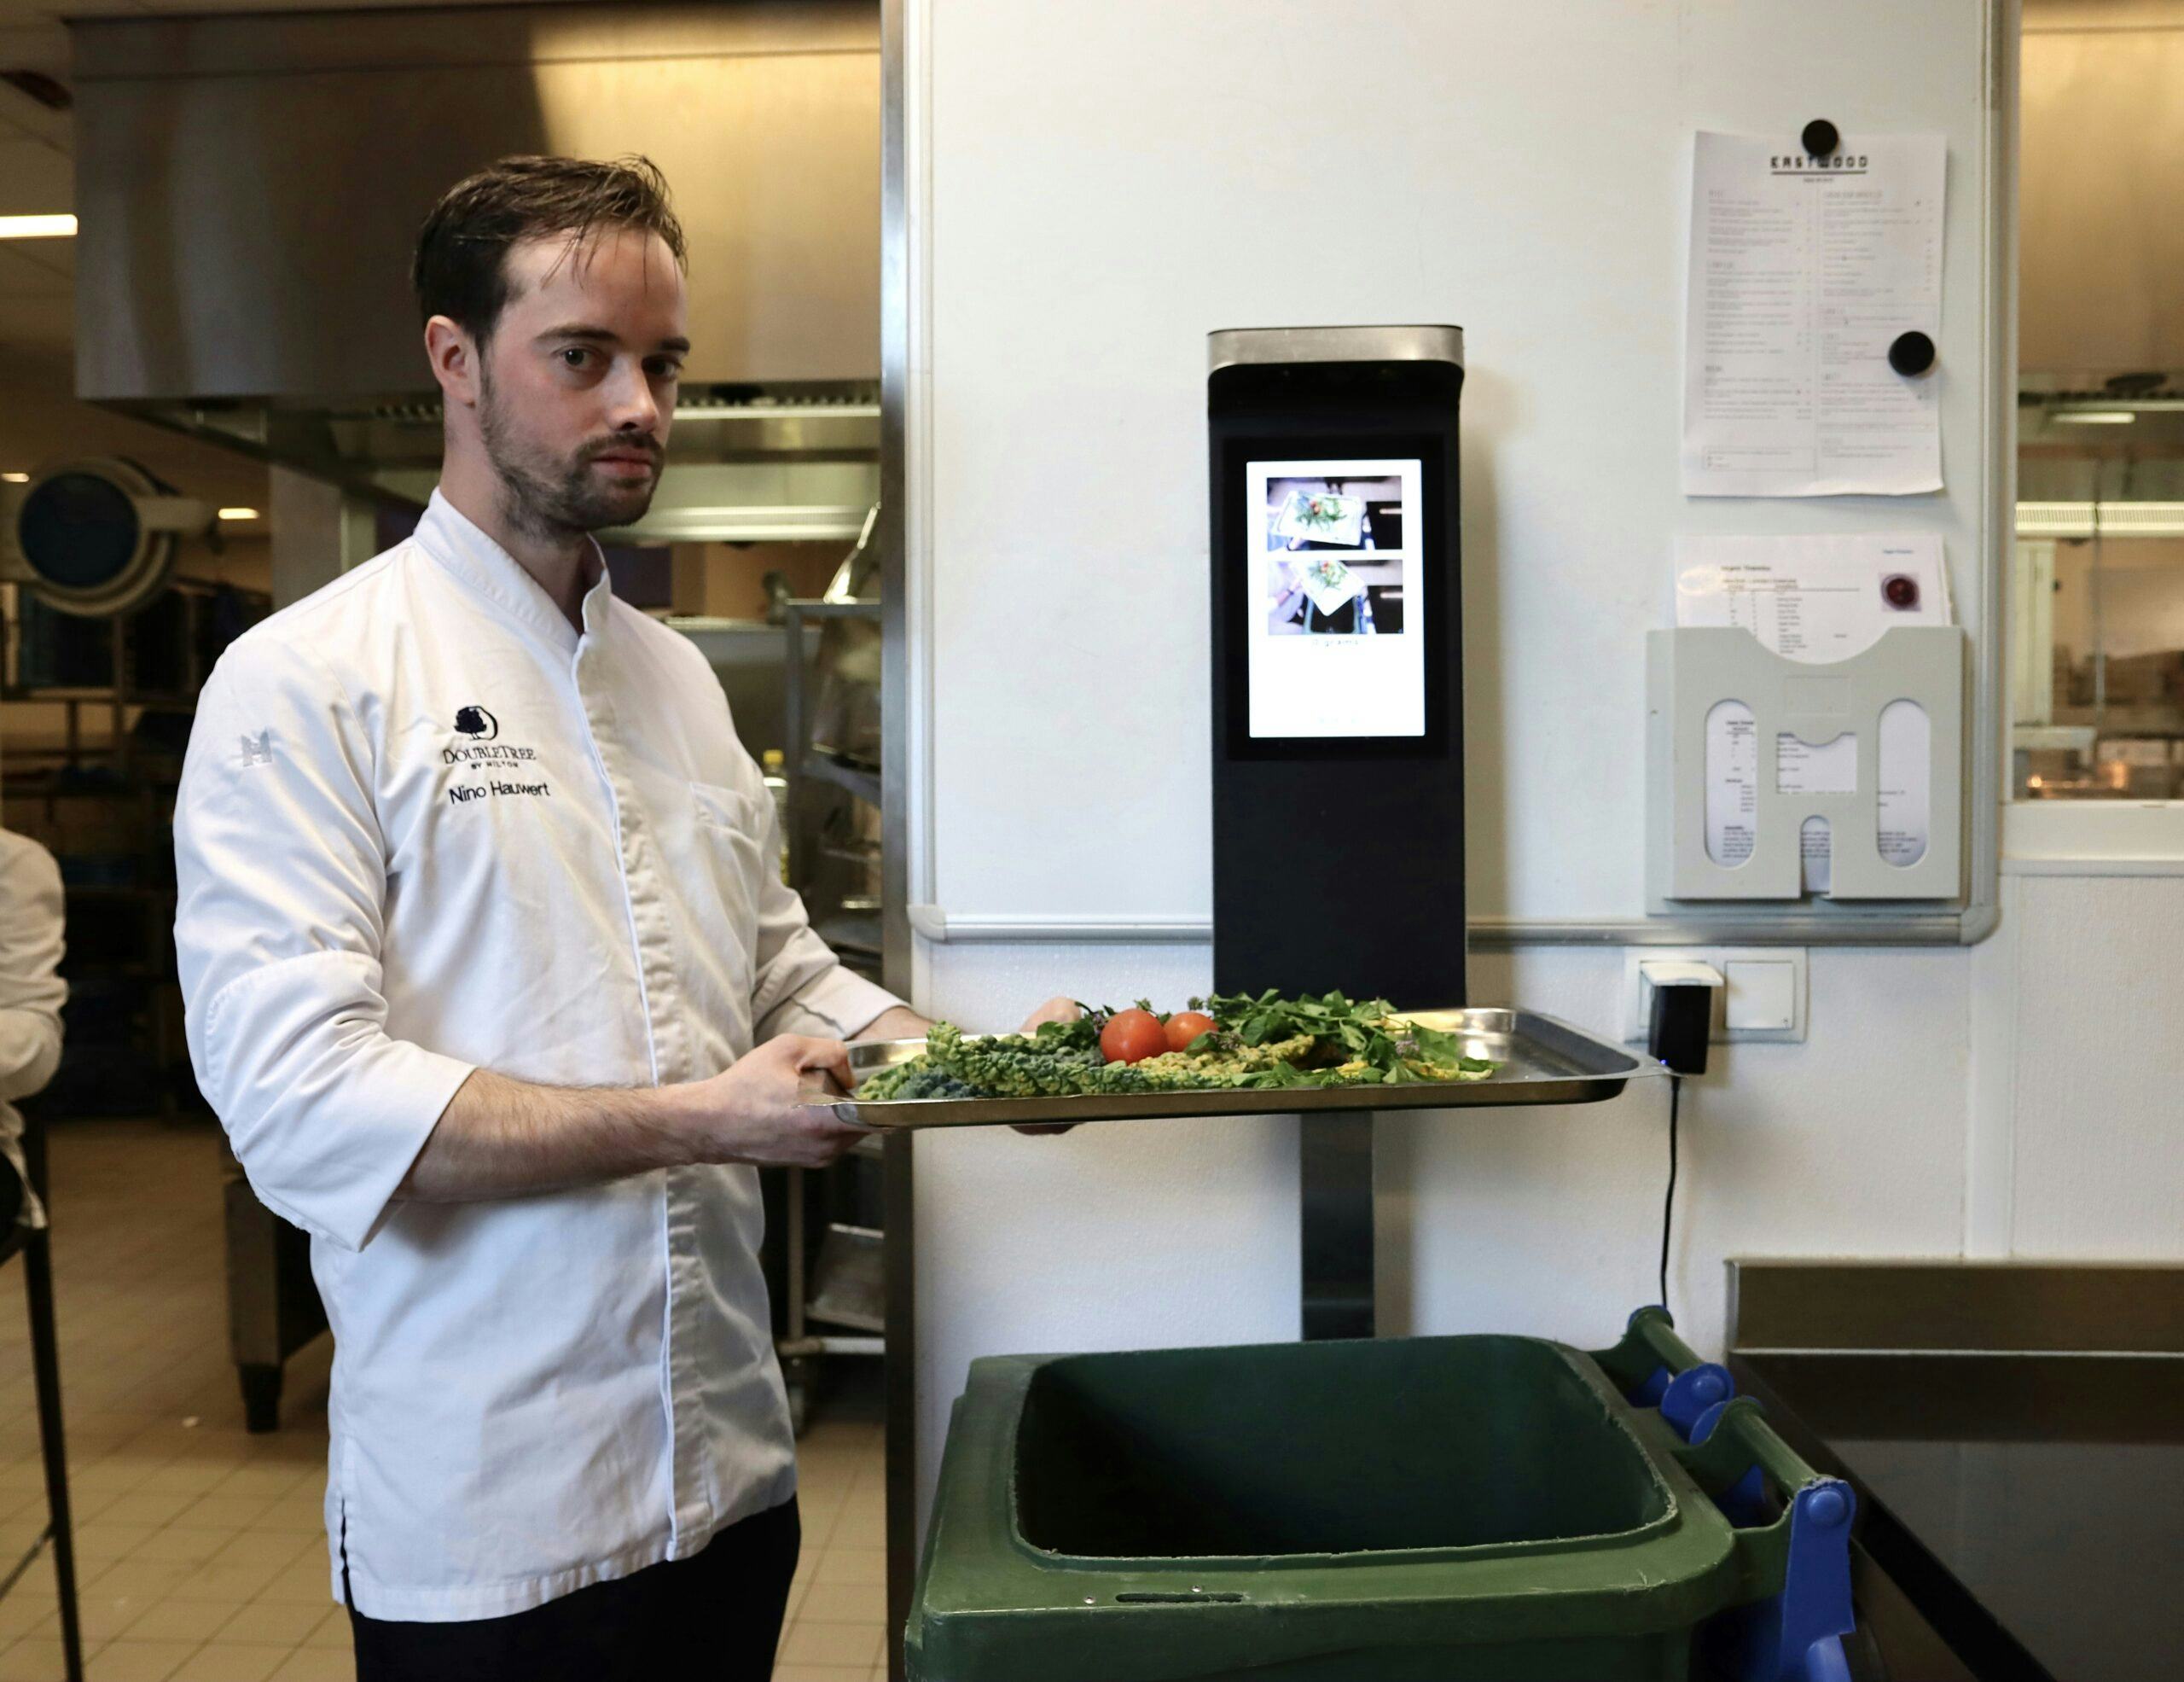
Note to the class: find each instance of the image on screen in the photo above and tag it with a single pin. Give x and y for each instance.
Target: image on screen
(1336, 641)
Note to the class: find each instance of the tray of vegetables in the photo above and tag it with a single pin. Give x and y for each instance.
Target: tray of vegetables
(1233, 1055)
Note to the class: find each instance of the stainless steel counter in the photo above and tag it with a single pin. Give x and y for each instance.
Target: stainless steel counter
(2016, 1435)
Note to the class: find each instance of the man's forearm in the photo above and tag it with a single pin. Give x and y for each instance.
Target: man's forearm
(897, 1021)
(500, 1138)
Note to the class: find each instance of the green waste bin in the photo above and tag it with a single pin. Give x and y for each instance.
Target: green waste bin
(1438, 1508)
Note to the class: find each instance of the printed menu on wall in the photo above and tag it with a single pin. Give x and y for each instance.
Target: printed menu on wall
(1804, 272)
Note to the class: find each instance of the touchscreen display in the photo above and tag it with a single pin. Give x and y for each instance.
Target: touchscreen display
(1336, 605)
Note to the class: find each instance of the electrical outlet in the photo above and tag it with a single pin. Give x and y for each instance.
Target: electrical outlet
(1765, 999)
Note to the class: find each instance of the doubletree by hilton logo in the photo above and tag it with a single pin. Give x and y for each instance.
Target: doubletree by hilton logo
(479, 730)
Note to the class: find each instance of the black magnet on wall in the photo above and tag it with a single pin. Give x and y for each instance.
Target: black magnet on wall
(1912, 352)
(1821, 139)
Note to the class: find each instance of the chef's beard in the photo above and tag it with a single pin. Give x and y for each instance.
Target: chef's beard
(549, 498)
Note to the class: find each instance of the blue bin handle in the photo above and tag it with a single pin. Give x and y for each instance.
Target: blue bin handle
(1652, 1334)
(1797, 1561)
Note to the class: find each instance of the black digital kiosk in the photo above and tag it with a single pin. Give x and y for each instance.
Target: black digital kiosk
(1337, 710)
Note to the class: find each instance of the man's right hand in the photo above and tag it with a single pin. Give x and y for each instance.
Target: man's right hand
(760, 1110)
(504, 1138)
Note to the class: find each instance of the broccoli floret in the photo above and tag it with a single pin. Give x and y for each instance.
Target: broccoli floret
(916, 1079)
(1011, 1066)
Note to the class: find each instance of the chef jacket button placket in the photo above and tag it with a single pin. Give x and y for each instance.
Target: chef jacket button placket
(656, 956)
(686, 1291)
(649, 920)
(684, 1281)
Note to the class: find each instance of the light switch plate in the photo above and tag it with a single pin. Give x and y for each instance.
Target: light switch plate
(1762, 995)
(1766, 998)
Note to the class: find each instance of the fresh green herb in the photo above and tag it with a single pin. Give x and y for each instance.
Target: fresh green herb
(1262, 1042)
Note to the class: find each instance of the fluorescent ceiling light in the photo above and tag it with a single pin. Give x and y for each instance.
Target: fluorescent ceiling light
(238, 514)
(741, 523)
(16, 478)
(2109, 519)
(2094, 417)
(37, 227)
(780, 412)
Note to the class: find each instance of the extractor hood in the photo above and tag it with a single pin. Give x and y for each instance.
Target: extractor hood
(248, 189)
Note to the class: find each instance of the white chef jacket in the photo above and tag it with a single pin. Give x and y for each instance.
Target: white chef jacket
(32, 992)
(426, 826)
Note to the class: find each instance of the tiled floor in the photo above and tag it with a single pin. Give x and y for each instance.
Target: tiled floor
(200, 1549)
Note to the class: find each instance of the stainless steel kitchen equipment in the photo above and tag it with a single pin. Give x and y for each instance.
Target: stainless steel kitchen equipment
(207, 201)
(833, 1289)
(201, 179)
(834, 795)
(2015, 1432)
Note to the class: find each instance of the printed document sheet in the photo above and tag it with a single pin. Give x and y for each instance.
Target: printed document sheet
(1812, 598)
(1803, 272)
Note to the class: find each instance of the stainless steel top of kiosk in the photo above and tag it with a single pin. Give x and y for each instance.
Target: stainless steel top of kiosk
(1233, 347)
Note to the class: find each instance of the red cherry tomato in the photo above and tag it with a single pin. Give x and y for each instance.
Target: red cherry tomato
(1185, 1026)
(1132, 1036)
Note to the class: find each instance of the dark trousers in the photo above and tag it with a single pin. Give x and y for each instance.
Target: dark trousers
(713, 1617)
(11, 1196)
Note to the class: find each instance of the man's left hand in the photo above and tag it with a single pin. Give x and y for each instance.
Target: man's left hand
(1055, 1009)
(901, 1022)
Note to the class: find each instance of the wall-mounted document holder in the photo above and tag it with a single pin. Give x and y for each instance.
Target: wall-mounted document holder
(1784, 780)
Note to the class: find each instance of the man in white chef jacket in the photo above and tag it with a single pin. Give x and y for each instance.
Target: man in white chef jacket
(492, 980)
(31, 993)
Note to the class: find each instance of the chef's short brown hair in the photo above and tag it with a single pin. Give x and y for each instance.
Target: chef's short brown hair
(461, 266)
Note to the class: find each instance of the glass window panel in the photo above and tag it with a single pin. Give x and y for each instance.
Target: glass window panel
(2096, 596)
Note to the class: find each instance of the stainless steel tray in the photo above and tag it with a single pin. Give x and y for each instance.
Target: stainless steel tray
(1543, 1060)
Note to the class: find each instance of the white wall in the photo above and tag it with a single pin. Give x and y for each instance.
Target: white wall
(2077, 1143)
(1094, 188)
(1107, 183)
